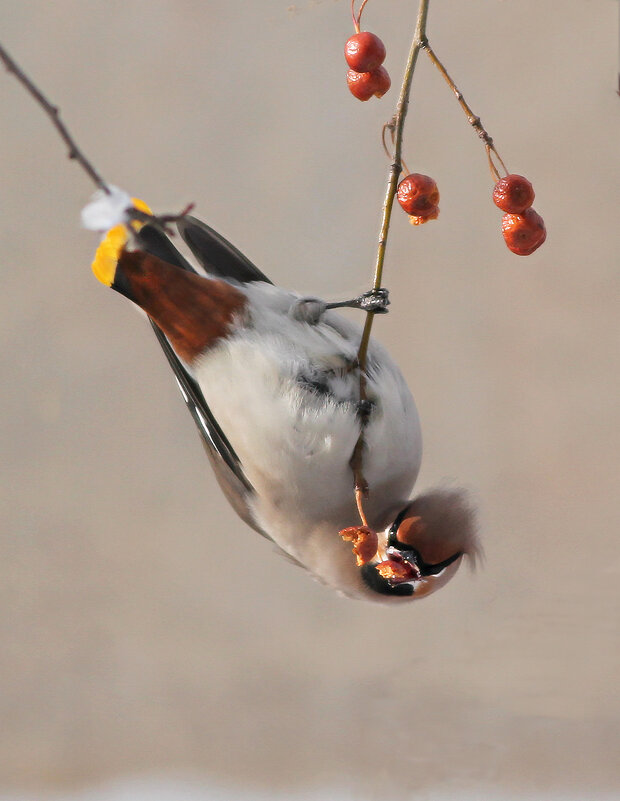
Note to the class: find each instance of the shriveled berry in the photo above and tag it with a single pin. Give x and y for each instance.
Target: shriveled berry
(523, 233)
(365, 542)
(364, 85)
(418, 195)
(360, 84)
(381, 80)
(364, 51)
(513, 194)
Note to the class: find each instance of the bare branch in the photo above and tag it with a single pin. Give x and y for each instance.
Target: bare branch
(53, 112)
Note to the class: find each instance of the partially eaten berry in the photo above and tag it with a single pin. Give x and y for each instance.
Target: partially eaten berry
(364, 51)
(513, 194)
(364, 85)
(365, 542)
(523, 233)
(396, 572)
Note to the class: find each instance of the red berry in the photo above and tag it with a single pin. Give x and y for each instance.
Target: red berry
(382, 81)
(364, 85)
(418, 194)
(360, 84)
(523, 233)
(513, 194)
(364, 51)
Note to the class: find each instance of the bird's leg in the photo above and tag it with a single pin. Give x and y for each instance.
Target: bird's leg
(308, 310)
(375, 300)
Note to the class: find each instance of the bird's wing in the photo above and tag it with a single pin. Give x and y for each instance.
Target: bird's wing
(216, 254)
(225, 462)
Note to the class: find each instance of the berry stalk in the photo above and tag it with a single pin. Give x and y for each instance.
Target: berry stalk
(472, 119)
(357, 18)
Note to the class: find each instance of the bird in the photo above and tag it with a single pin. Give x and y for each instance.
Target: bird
(271, 380)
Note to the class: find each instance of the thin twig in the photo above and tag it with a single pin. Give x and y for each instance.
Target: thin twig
(162, 221)
(419, 39)
(389, 126)
(472, 118)
(53, 112)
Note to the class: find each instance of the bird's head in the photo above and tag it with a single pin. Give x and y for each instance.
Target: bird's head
(424, 546)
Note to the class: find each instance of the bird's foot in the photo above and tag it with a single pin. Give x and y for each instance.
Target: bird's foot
(375, 300)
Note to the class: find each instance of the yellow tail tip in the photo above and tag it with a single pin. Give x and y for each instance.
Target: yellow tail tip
(109, 250)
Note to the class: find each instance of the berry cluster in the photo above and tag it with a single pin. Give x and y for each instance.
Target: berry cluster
(364, 53)
(523, 229)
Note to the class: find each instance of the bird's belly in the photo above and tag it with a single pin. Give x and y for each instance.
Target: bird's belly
(295, 444)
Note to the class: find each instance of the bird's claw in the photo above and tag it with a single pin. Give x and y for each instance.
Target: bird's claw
(375, 301)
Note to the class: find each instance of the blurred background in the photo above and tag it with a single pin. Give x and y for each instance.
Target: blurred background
(132, 667)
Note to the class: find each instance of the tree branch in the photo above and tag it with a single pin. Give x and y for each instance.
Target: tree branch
(397, 125)
(53, 112)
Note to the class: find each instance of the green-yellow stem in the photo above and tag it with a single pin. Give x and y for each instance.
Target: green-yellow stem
(419, 40)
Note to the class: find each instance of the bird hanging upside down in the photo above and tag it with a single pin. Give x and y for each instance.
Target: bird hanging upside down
(272, 382)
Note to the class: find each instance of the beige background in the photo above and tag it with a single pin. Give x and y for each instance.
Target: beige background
(125, 648)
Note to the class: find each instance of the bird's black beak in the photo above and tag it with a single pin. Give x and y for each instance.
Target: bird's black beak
(401, 550)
